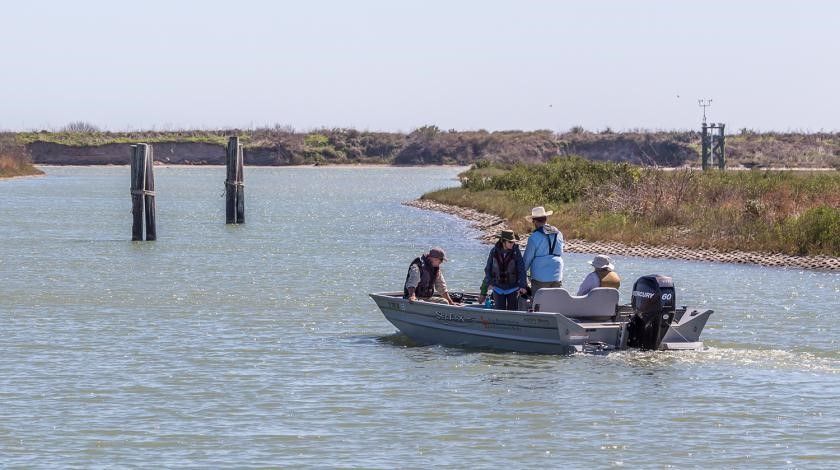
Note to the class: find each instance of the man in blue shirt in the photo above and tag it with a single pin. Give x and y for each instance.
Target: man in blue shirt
(543, 255)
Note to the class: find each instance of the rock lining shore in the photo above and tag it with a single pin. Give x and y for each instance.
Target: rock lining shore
(490, 226)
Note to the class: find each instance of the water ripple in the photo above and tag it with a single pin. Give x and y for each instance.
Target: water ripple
(257, 346)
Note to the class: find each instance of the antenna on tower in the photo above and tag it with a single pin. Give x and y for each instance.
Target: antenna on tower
(704, 104)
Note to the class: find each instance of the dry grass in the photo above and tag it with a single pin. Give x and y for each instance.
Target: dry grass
(770, 211)
(14, 159)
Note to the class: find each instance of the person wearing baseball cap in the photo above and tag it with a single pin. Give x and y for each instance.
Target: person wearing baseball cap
(425, 277)
(604, 275)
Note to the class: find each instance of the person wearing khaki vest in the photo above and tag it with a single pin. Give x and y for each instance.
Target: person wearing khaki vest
(603, 276)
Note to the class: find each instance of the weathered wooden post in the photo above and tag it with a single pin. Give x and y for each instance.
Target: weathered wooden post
(149, 194)
(234, 186)
(138, 179)
(240, 184)
(142, 192)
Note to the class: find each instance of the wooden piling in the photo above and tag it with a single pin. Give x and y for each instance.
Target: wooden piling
(240, 185)
(149, 194)
(142, 192)
(234, 186)
(138, 178)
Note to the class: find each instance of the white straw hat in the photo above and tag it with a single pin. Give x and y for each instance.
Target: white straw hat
(538, 212)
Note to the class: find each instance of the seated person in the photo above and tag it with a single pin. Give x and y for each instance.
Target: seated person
(603, 276)
(425, 277)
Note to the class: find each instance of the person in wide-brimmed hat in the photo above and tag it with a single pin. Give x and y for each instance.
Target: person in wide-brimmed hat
(538, 212)
(544, 252)
(504, 273)
(425, 277)
(604, 275)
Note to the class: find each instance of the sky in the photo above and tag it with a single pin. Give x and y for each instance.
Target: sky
(398, 65)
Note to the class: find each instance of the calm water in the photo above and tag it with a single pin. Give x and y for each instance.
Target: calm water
(257, 345)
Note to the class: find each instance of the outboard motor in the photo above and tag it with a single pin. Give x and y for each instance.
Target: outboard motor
(653, 303)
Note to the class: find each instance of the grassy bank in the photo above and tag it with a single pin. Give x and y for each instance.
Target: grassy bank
(14, 159)
(771, 211)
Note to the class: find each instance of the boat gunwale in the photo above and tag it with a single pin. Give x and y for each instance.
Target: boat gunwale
(595, 324)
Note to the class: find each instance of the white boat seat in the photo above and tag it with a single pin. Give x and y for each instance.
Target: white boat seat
(600, 302)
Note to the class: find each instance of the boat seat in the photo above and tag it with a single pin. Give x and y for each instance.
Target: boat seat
(599, 303)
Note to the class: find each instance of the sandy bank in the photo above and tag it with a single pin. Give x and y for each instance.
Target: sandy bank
(490, 226)
(18, 177)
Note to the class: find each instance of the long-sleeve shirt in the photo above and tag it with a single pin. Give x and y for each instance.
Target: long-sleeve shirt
(545, 266)
(589, 282)
(414, 279)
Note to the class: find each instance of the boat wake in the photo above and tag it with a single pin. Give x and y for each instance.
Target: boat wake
(732, 354)
(739, 355)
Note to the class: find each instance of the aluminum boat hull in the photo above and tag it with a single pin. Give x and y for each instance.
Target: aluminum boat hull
(472, 326)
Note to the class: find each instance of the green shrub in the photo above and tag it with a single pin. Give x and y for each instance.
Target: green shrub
(561, 180)
(816, 231)
(316, 140)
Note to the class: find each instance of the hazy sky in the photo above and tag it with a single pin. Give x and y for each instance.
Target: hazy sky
(397, 65)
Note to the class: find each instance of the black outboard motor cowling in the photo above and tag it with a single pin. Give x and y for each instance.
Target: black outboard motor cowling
(654, 301)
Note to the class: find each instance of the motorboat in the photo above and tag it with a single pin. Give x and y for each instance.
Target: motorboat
(554, 321)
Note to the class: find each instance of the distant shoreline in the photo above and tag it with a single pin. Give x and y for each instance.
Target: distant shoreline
(215, 165)
(490, 226)
(360, 166)
(376, 165)
(430, 145)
